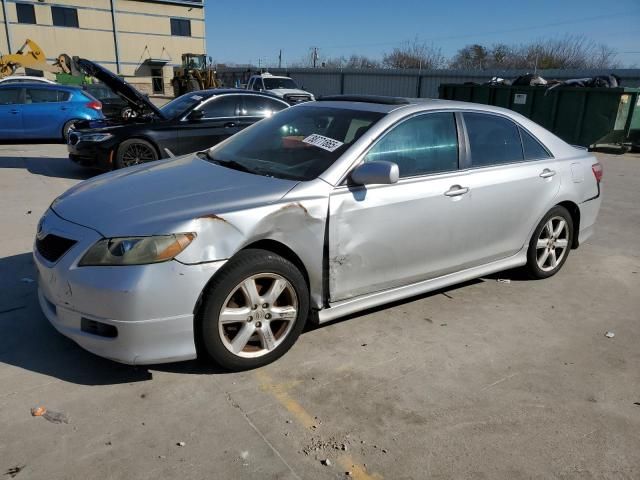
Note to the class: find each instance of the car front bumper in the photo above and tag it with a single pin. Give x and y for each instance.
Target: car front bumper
(99, 155)
(139, 314)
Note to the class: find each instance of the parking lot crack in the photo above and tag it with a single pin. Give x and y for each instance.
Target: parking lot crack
(235, 404)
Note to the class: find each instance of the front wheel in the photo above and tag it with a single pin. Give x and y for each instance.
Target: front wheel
(254, 310)
(134, 152)
(550, 243)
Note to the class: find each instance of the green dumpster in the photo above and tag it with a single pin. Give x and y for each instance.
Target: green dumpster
(590, 117)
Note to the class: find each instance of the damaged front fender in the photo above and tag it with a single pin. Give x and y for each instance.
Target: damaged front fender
(297, 221)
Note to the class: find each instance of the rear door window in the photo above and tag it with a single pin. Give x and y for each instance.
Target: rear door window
(493, 140)
(222, 107)
(256, 106)
(9, 96)
(48, 95)
(421, 145)
(533, 149)
(257, 84)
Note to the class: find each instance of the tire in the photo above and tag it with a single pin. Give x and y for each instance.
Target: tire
(548, 252)
(240, 331)
(134, 152)
(66, 128)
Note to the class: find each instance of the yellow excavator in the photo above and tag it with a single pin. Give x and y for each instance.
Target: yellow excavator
(31, 56)
(194, 74)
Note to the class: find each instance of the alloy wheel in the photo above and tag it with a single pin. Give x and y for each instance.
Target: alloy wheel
(137, 153)
(552, 244)
(258, 315)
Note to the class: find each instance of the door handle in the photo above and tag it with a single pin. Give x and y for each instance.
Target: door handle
(229, 125)
(456, 190)
(14, 111)
(546, 173)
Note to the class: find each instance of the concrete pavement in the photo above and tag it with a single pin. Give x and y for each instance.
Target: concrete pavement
(486, 380)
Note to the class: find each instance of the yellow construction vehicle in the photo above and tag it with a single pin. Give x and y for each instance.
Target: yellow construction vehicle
(34, 59)
(194, 74)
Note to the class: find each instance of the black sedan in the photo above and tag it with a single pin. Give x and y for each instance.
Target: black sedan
(194, 121)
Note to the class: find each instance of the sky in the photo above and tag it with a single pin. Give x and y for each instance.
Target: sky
(252, 31)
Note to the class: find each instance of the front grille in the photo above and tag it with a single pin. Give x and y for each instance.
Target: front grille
(293, 99)
(52, 247)
(73, 138)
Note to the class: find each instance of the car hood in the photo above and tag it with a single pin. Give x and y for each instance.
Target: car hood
(133, 97)
(160, 197)
(110, 124)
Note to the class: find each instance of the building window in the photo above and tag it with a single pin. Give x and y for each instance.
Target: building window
(180, 27)
(64, 17)
(26, 13)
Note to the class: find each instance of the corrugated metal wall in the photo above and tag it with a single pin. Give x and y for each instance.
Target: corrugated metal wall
(407, 83)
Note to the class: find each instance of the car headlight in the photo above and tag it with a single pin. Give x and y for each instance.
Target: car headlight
(136, 250)
(95, 137)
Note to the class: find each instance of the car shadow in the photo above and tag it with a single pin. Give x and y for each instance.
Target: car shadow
(29, 342)
(58, 167)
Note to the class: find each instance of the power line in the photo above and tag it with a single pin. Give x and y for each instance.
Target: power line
(509, 30)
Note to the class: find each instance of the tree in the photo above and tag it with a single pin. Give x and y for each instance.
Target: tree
(414, 55)
(566, 52)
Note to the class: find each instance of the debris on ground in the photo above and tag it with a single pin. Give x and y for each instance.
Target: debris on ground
(326, 462)
(13, 471)
(181, 444)
(363, 345)
(162, 456)
(27, 280)
(609, 334)
(443, 324)
(503, 280)
(636, 403)
(50, 415)
(28, 212)
(348, 474)
(319, 445)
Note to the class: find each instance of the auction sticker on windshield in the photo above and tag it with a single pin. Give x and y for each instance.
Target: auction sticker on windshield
(320, 141)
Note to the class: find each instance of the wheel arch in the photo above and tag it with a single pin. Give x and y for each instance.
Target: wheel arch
(574, 211)
(269, 245)
(140, 136)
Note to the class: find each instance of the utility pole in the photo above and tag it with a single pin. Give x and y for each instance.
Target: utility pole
(315, 56)
(280, 59)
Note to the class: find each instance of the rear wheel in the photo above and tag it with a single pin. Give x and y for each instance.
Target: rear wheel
(254, 310)
(134, 152)
(67, 128)
(550, 244)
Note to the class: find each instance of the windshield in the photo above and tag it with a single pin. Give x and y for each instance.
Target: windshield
(297, 143)
(180, 105)
(273, 83)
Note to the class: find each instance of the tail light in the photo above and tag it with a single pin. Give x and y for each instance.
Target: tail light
(597, 171)
(95, 105)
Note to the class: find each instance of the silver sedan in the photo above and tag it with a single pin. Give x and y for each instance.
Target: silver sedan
(323, 210)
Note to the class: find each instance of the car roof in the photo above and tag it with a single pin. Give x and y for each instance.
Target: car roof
(40, 85)
(225, 91)
(386, 104)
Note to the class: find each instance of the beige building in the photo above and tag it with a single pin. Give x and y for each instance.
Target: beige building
(140, 39)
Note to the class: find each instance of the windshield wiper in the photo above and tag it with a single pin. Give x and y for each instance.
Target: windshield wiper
(229, 164)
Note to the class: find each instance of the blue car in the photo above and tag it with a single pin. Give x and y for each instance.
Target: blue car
(43, 111)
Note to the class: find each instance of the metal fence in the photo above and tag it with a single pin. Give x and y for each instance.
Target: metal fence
(406, 83)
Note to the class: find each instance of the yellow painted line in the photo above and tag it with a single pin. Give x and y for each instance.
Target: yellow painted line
(279, 392)
(358, 472)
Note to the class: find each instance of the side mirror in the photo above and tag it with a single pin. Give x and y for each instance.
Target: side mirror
(195, 115)
(370, 173)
